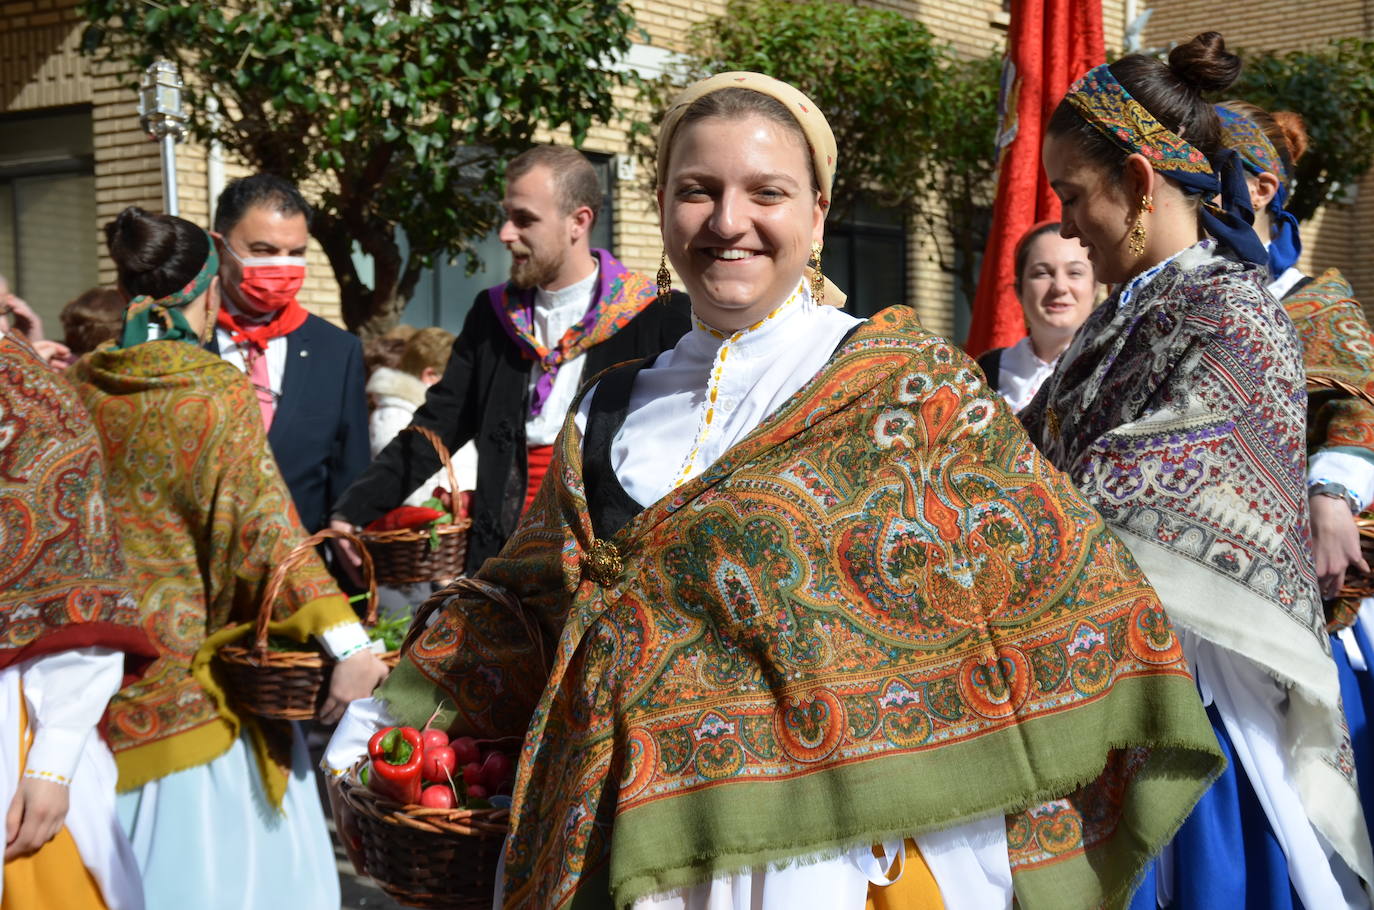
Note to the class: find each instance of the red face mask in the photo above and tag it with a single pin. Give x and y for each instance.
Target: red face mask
(270, 283)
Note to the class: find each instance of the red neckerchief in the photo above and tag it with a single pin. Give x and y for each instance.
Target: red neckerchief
(256, 335)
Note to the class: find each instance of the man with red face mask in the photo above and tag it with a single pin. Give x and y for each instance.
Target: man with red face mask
(308, 374)
(567, 313)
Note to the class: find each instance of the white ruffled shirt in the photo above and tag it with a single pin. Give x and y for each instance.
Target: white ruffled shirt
(737, 379)
(554, 313)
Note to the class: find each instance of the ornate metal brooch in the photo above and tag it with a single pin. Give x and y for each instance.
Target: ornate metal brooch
(602, 563)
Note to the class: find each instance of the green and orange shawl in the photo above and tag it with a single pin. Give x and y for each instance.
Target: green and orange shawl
(204, 515)
(1337, 348)
(63, 582)
(881, 613)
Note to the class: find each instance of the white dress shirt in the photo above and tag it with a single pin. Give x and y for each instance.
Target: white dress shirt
(554, 313)
(234, 352)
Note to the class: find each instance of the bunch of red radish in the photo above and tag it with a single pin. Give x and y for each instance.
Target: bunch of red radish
(457, 771)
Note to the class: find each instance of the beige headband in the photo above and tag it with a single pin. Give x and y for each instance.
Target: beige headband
(809, 117)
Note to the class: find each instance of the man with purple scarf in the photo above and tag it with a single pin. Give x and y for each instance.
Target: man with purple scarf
(567, 313)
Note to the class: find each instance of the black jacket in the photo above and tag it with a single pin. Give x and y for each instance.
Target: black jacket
(319, 430)
(991, 362)
(484, 395)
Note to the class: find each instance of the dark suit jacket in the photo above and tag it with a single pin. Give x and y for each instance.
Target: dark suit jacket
(319, 432)
(484, 394)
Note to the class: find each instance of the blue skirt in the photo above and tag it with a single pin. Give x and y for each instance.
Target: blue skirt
(1225, 855)
(1357, 697)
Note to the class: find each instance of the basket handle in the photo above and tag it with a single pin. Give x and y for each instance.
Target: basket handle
(298, 554)
(1327, 382)
(492, 592)
(444, 458)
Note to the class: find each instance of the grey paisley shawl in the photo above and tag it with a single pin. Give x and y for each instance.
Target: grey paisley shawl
(1180, 412)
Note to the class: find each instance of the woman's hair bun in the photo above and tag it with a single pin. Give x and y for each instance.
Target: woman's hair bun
(1294, 133)
(1205, 64)
(132, 239)
(153, 253)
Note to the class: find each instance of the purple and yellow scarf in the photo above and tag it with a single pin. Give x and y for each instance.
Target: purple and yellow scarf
(621, 295)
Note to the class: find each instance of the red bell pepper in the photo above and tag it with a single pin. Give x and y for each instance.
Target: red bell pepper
(403, 517)
(396, 756)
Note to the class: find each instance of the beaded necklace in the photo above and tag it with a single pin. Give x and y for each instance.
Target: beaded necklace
(713, 384)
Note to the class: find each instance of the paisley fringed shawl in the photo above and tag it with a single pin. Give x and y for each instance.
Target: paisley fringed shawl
(205, 515)
(63, 582)
(1337, 346)
(1181, 417)
(881, 613)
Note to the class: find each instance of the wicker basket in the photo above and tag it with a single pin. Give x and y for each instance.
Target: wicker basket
(408, 556)
(1323, 384)
(442, 858)
(287, 685)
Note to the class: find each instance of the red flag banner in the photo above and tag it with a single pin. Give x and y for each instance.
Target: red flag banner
(1051, 43)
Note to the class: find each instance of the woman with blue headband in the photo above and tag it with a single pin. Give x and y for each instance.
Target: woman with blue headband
(1338, 350)
(222, 811)
(1179, 410)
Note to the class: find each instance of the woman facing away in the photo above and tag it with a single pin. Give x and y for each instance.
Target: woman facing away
(1055, 284)
(221, 809)
(1179, 411)
(1337, 346)
(69, 636)
(823, 628)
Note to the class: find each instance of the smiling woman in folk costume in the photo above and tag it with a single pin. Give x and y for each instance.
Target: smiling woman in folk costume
(1055, 285)
(69, 635)
(214, 819)
(1337, 348)
(824, 629)
(1179, 411)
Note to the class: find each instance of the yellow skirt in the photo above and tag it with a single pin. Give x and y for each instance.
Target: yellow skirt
(915, 889)
(54, 876)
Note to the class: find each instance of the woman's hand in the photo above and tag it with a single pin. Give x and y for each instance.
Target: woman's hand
(353, 678)
(1335, 543)
(36, 815)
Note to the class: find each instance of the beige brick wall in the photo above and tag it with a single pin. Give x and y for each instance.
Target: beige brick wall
(1335, 236)
(39, 67)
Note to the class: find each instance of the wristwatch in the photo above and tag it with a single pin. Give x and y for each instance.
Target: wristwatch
(1336, 491)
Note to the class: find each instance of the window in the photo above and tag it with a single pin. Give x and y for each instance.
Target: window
(48, 242)
(445, 293)
(865, 256)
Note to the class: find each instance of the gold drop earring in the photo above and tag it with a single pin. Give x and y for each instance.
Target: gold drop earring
(1137, 238)
(665, 278)
(817, 280)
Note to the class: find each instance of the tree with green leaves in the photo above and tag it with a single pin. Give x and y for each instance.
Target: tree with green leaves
(914, 123)
(961, 182)
(1332, 87)
(392, 114)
